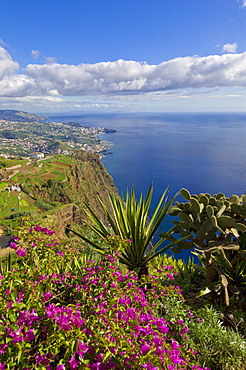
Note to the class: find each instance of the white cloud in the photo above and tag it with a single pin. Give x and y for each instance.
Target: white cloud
(50, 60)
(16, 85)
(32, 101)
(2, 43)
(130, 77)
(242, 2)
(35, 54)
(121, 79)
(7, 65)
(230, 48)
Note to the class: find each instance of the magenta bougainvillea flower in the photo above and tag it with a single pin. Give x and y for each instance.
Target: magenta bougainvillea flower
(58, 313)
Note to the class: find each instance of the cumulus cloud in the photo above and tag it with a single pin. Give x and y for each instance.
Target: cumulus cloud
(7, 65)
(243, 3)
(120, 78)
(230, 48)
(35, 54)
(11, 83)
(130, 77)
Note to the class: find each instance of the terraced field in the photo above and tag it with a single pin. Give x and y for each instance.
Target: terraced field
(14, 204)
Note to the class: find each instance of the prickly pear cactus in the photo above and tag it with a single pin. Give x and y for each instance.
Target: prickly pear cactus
(214, 225)
(210, 219)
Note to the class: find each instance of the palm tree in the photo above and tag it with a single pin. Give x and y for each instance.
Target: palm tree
(130, 220)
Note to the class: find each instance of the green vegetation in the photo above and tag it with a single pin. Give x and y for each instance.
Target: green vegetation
(216, 226)
(145, 322)
(114, 300)
(12, 162)
(50, 183)
(130, 222)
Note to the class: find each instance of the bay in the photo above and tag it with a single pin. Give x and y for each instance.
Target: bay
(205, 153)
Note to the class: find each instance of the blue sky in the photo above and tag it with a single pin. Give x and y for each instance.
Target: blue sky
(123, 56)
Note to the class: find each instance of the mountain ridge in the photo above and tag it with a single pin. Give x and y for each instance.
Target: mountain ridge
(20, 116)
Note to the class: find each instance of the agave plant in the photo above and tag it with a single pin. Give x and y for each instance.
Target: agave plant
(129, 219)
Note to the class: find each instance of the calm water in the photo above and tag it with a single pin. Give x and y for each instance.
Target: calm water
(201, 152)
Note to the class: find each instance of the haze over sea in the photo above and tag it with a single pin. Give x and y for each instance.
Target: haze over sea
(205, 153)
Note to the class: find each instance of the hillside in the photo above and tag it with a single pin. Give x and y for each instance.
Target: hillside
(19, 116)
(53, 189)
(25, 138)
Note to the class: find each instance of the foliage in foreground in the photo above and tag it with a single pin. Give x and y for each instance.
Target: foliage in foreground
(216, 226)
(131, 222)
(57, 313)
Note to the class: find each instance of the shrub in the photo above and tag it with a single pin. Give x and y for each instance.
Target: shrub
(40, 203)
(59, 314)
(216, 226)
(216, 346)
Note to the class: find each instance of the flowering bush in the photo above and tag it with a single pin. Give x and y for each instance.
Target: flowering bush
(57, 314)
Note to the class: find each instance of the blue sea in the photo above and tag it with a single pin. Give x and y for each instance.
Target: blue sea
(205, 153)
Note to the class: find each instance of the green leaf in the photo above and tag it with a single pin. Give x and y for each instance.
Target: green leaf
(185, 194)
(130, 220)
(203, 292)
(240, 227)
(210, 211)
(195, 204)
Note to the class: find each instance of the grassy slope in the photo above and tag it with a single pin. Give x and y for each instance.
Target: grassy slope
(51, 183)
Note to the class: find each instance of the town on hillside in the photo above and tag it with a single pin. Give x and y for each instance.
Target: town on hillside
(26, 139)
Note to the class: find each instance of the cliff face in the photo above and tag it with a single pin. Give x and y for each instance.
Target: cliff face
(68, 214)
(84, 179)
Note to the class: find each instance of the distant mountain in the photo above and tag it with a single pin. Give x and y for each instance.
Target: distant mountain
(19, 116)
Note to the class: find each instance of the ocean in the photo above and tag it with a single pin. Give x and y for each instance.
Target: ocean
(204, 153)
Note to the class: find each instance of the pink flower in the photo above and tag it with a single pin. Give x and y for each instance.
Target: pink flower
(60, 253)
(42, 359)
(2, 348)
(13, 245)
(21, 252)
(29, 335)
(149, 366)
(17, 336)
(73, 363)
(145, 349)
(82, 349)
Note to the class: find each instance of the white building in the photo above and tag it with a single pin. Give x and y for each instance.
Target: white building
(37, 155)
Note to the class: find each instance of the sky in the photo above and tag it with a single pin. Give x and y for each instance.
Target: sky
(76, 56)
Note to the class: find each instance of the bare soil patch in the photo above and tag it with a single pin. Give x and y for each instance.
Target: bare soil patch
(5, 252)
(60, 164)
(48, 176)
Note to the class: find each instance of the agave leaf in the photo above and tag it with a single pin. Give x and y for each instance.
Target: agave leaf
(96, 246)
(129, 220)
